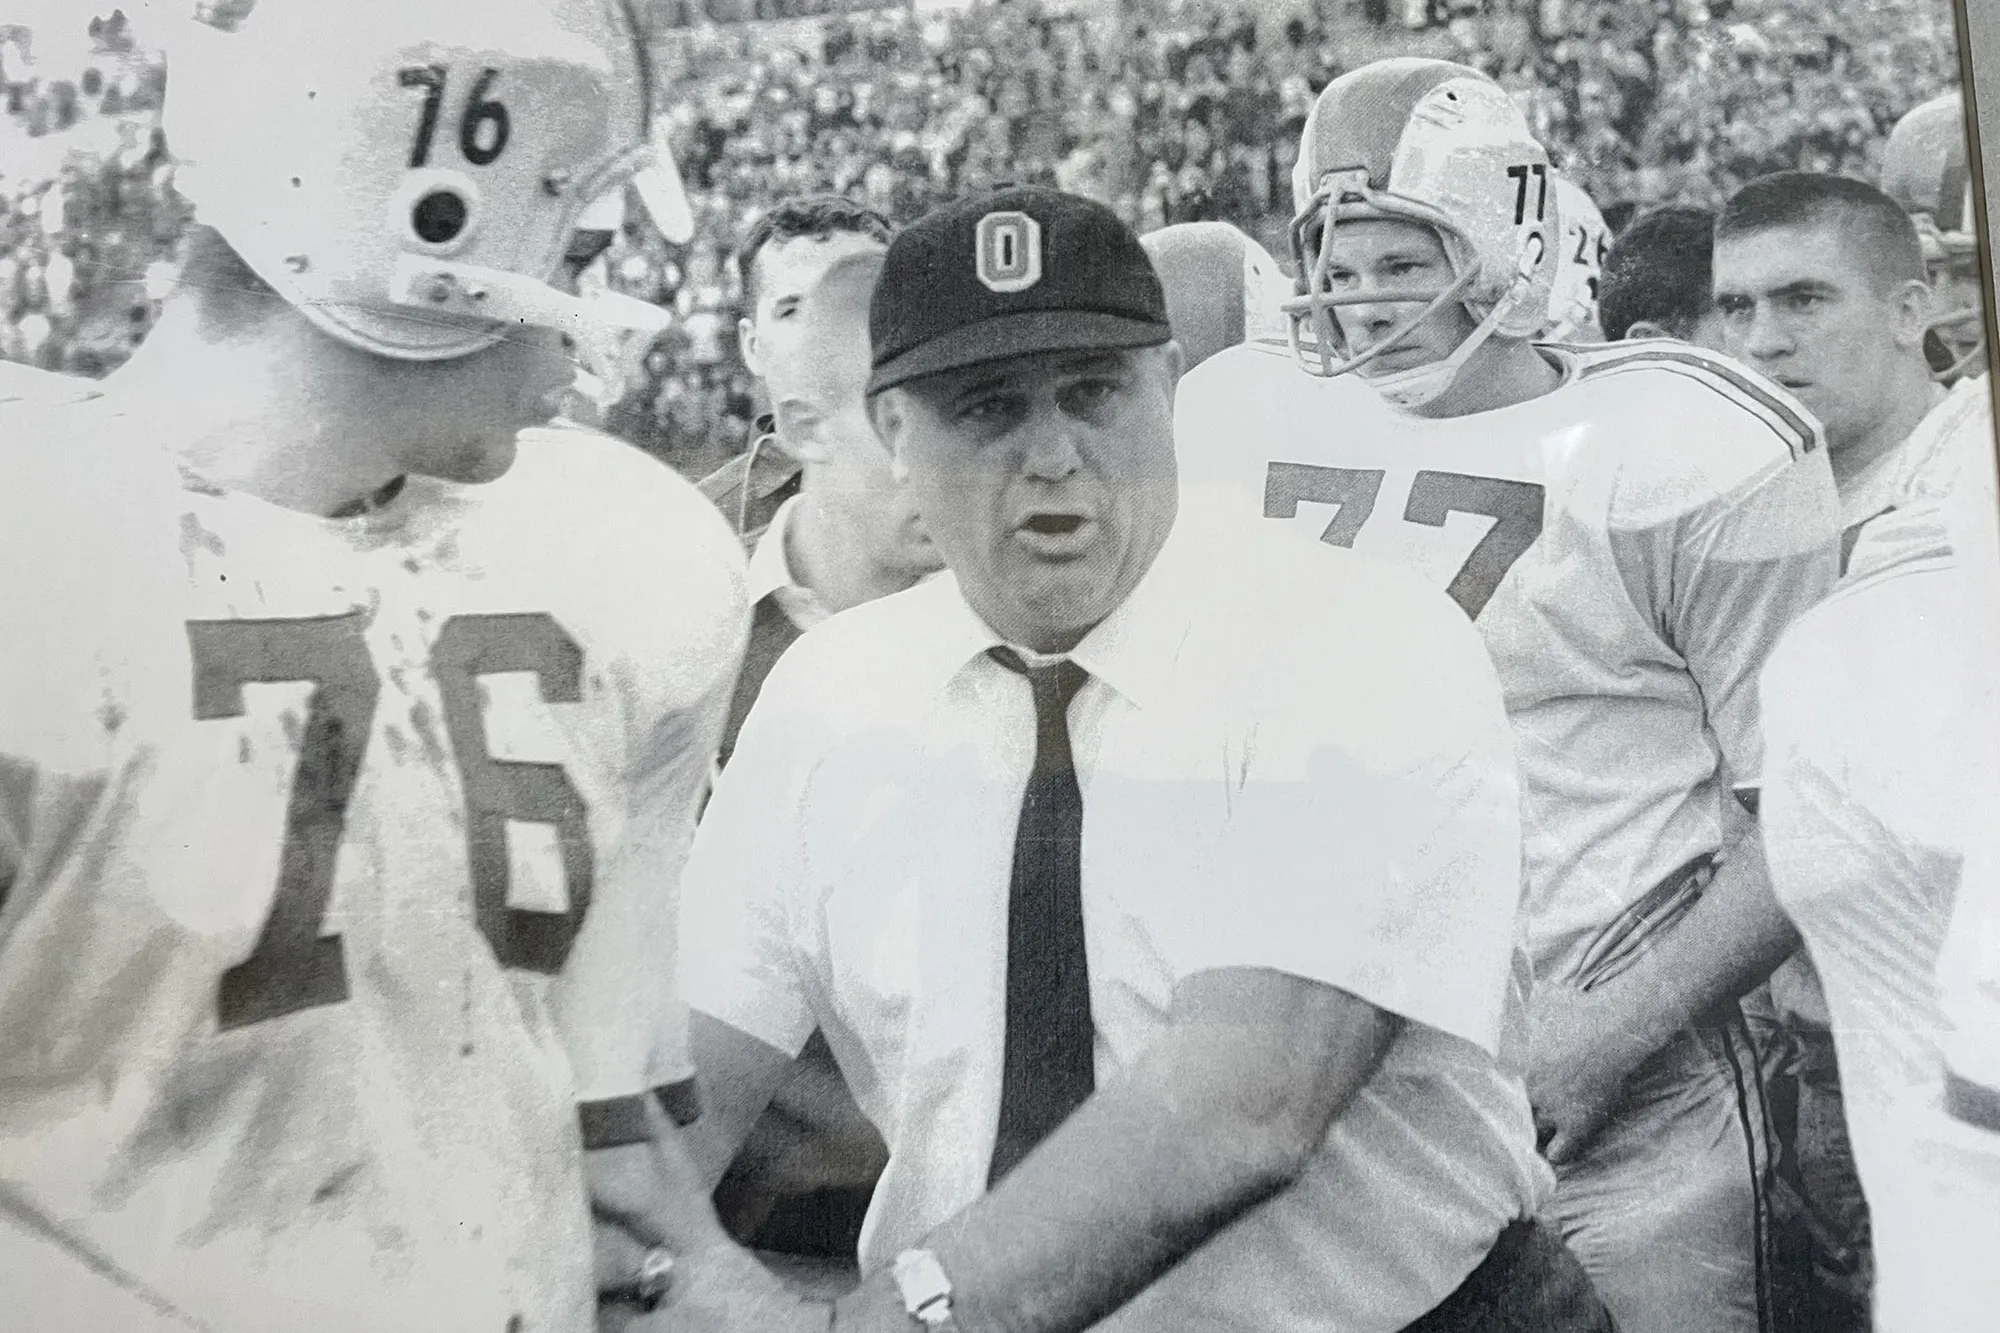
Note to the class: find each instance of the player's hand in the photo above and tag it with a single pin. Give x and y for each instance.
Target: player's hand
(652, 1190)
(1576, 1070)
(723, 1289)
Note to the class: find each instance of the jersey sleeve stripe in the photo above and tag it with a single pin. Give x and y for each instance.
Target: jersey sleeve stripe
(1799, 433)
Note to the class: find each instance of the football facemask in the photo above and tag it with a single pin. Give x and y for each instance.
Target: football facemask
(408, 173)
(1438, 144)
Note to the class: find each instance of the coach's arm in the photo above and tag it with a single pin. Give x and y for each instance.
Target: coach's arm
(1223, 1111)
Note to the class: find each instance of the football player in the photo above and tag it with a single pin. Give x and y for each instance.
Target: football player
(351, 739)
(1819, 281)
(1573, 297)
(1881, 708)
(1630, 526)
(1659, 279)
(1924, 168)
(1820, 284)
(1223, 288)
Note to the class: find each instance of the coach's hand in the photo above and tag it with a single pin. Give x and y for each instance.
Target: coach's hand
(1576, 1069)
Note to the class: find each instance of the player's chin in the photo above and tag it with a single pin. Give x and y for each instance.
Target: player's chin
(474, 460)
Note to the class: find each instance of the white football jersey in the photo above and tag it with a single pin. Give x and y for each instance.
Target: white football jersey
(1951, 447)
(31, 385)
(1630, 545)
(1881, 712)
(1892, 512)
(339, 861)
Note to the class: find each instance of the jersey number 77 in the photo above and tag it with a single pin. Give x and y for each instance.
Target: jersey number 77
(293, 966)
(1514, 506)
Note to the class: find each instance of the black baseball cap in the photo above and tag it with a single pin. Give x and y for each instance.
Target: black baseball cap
(1005, 273)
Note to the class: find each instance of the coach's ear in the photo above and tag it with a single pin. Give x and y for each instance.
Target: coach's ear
(1646, 328)
(887, 413)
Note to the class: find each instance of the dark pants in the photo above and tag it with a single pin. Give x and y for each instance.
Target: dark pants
(1529, 1283)
(1826, 1261)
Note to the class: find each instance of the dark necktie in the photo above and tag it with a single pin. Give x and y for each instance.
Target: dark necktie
(1047, 1071)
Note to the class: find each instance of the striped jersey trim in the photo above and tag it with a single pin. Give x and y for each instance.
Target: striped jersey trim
(1800, 435)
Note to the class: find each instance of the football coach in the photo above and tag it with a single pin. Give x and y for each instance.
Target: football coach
(1153, 880)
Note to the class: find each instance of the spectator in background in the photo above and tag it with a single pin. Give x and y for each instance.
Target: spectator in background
(1656, 280)
(840, 531)
(781, 258)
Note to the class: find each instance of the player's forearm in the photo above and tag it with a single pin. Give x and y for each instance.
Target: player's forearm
(652, 1191)
(1728, 943)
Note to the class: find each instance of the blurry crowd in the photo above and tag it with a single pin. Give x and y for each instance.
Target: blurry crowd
(1168, 110)
(88, 217)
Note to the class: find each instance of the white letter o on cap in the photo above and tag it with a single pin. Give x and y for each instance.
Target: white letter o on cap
(1009, 257)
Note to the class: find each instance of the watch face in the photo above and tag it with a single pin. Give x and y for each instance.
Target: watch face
(926, 1290)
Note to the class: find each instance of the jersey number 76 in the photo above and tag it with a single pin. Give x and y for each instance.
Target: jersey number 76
(293, 966)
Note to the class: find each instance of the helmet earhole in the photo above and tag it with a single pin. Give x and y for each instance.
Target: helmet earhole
(439, 217)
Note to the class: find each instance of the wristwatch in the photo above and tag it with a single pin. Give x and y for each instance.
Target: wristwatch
(926, 1290)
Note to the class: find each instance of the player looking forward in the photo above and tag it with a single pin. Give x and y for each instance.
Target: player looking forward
(344, 776)
(1630, 526)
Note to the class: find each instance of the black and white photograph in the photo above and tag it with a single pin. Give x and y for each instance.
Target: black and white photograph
(999, 666)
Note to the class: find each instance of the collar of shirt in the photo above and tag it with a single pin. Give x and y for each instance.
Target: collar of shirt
(771, 573)
(1131, 650)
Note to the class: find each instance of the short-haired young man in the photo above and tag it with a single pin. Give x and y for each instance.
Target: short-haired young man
(827, 529)
(1820, 283)
(780, 258)
(1657, 278)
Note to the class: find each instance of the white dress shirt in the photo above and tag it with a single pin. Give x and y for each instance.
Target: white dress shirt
(1290, 758)
(771, 573)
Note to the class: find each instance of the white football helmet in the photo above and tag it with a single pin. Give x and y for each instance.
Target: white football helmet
(1925, 169)
(1222, 287)
(407, 173)
(1580, 266)
(1438, 143)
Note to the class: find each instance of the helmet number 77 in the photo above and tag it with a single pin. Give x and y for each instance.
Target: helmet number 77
(1519, 175)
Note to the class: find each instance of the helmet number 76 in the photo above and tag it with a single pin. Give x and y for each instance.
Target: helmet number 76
(482, 130)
